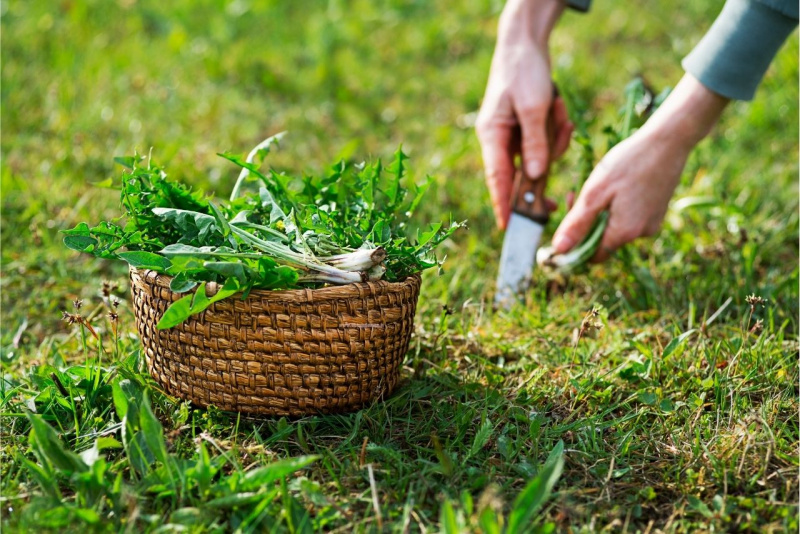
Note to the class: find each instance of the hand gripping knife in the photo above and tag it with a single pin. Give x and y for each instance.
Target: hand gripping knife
(529, 215)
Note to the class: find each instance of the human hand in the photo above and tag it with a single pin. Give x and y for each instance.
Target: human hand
(513, 116)
(637, 178)
(634, 182)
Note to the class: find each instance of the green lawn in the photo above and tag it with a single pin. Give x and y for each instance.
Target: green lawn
(680, 414)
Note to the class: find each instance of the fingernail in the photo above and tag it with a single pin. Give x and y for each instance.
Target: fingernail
(562, 243)
(535, 169)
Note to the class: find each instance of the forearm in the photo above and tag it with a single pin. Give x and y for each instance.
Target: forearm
(688, 114)
(528, 21)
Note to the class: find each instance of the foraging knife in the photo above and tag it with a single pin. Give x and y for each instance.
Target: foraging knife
(529, 215)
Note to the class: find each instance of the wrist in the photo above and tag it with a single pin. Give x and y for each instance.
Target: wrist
(688, 114)
(531, 20)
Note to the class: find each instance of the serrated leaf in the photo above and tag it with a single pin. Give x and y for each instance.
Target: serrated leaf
(481, 437)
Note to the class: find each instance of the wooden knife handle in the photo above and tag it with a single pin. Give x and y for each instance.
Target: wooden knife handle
(528, 194)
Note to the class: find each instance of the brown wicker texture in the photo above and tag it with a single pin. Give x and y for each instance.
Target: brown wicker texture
(296, 352)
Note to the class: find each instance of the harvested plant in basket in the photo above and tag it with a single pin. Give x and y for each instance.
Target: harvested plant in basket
(350, 225)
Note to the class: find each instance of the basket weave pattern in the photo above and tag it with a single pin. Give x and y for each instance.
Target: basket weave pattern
(295, 352)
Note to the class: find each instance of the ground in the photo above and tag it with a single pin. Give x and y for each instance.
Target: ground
(677, 405)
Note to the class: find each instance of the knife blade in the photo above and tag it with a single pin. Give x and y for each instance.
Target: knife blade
(529, 216)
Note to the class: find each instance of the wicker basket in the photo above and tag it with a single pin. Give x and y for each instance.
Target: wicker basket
(296, 352)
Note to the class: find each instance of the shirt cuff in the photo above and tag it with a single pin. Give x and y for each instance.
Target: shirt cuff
(579, 5)
(733, 56)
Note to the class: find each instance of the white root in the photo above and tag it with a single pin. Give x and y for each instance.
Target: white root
(376, 273)
(360, 260)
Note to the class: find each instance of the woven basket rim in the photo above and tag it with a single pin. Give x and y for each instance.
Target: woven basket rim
(346, 291)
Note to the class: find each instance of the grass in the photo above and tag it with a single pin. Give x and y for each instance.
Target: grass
(676, 404)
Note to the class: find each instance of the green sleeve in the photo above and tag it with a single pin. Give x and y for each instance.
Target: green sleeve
(733, 56)
(579, 5)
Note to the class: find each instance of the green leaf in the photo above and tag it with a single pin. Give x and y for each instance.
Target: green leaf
(263, 476)
(178, 311)
(139, 454)
(536, 492)
(145, 260)
(88, 515)
(180, 249)
(397, 168)
(676, 342)
(425, 237)
(231, 269)
(186, 516)
(221, 220)
(419, 194)
(153, 433)
(108, 183)
(182, 283)
(447, 519)
(276, 213)
(488, 521)
(647, 397)
(81, 243)
(192, 224)
(248, 164)
(186, 306)
(203, 471)
(126, 161)
(107, 442)
(481, 437)
(238, 499)
(43, 476)
(121, 391)
(201, 301)
(699, 506)
(666, 405)
(103, 240)
(48, 447)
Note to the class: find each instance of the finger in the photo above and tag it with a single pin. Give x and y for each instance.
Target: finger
(499, 165)
(563, 137)
(570, 200)
(602, 254)
(563, 128)
(560, 115)
(615, 236)
(608, 246)
(579, 220)
(535, 148)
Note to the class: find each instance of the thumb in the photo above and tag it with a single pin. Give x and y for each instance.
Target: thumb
(579, 220)
(535, 148)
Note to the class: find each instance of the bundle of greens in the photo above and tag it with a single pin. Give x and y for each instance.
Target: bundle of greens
(352, 225)
(640, 103)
